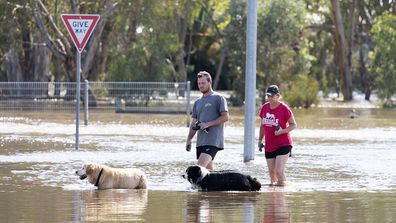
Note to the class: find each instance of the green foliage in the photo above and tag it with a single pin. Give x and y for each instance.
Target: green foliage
(280, 47)
(149, 40)
(16, 23)
(384, 57)
(143, 43)
(323, 84)
(281, 52)
(302, 92)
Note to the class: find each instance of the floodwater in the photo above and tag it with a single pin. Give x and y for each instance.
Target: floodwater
(342, 169)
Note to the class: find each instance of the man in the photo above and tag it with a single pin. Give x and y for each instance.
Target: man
(209, 113)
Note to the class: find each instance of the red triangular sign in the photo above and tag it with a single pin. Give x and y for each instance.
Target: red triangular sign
(80, 27)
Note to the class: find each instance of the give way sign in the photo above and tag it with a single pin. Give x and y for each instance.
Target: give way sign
(80, 27)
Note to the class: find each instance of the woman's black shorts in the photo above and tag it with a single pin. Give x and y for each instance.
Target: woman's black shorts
(281, 151)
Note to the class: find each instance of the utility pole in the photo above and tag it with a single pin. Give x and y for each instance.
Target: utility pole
(250, 81)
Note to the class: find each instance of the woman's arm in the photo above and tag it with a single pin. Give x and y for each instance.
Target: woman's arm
(292, 125)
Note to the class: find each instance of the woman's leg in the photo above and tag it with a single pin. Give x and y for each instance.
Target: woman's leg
(280, 165)
(271, 169)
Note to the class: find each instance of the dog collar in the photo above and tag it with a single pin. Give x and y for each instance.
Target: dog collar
(199, 179)
(97, 180)
(202, 177)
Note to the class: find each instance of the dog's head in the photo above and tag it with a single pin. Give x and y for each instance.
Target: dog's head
(86, 170)
(194, 174)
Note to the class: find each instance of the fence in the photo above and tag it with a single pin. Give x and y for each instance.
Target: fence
(122, 97)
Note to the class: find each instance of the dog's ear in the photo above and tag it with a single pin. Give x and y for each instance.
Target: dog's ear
(89, 168)
(198, 169)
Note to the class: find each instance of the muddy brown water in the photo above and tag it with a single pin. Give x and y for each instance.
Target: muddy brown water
(342, 169)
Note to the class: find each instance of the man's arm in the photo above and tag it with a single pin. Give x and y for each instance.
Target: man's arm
(191, 132)
(224, 116)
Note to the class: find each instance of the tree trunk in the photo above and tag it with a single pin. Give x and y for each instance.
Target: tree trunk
(13, 70)
(39, 67)
(57, 75)
(39, 62)
(364, 75)
(341, 48)
(352, 32)
(189, 48)
(92, 47)
(181, 66)
(220, 67)
(101, 74)
(181, 27)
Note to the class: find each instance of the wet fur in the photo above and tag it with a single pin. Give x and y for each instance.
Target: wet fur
(202, 179)
(113, 178)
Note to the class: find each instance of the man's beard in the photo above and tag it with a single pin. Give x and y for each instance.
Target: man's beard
(204, 91)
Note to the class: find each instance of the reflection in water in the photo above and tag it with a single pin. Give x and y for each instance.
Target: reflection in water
(337, 172)
(111, 205)
(197, 209)
(276, 209)
(210, 207)
(248, 211)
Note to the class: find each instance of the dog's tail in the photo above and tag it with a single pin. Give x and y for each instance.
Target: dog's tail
(255, 185)
(142, 182)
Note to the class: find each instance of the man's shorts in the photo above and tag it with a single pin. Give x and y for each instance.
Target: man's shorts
(211, 150)
(281, 151)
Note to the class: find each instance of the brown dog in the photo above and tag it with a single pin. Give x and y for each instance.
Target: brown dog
(105, 177)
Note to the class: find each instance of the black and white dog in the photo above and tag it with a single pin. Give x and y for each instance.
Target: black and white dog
(201, 178)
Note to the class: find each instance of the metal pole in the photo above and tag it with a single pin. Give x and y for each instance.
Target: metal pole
(250, 81)
(78, 97)
(86, 102)
(188, 87)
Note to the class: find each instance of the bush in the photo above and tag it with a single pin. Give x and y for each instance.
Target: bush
(303, 92)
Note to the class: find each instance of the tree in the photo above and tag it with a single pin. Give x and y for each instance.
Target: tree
(384, 57)
(26, 58)
(341, 52)
(367, 12)
(357, 17)
(171, 40)
(280, 47)
(152, 41)
(61, 47)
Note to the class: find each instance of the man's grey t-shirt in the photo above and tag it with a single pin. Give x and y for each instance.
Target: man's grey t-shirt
(208, 108)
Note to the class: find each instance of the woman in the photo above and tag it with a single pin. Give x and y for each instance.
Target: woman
(277, 120)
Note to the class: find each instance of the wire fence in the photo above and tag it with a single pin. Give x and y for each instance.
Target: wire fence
(122, 97)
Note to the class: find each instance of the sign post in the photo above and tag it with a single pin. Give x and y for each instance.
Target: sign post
(80, 27)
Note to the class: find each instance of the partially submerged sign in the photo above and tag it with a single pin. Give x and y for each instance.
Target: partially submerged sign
(80, 27)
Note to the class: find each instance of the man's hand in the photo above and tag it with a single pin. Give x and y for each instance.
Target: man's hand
(204, 125)
(188, 145)
(196, 126)
(201, 126)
